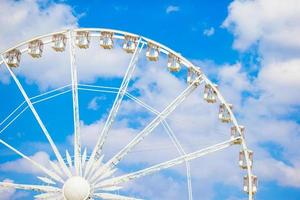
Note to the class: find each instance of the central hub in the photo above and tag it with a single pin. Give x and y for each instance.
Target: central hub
(76, 188)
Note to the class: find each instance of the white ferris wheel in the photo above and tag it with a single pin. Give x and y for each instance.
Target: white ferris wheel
(85, 175)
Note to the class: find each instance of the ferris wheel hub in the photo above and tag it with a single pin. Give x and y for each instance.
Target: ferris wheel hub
(76, 188)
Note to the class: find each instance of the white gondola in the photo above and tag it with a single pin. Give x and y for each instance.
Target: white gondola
(35, 48)
(82, 39)
(59, 42)
(190, 76)
(173, 63)
(242, 159)
(13, 58)
(254, 184)
(224, 114)
(210, 95)
(130, 43)
(152, 52)
(106, 40)
(235, 133)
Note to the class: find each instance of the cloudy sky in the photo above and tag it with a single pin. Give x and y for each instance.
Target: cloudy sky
(250, 48)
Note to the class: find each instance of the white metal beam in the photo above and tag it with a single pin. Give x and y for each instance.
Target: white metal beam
(76, 117)
(109, 196)
(37, 117)
(36, 188)
(49, 196)
(165, 165)
(148, 129)
(34, 163)
(115, 108)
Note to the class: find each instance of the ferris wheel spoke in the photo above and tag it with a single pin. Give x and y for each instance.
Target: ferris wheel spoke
(109, 196)
(37, 117)
(18, 114)
(148, 129)
(74, 77)
(49, 196)
(36, 188)
(166, 165)
(116, 105)
(34, 163)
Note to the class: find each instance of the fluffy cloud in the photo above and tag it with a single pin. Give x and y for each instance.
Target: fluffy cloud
(209, 32)
(94, 103)
(271, 31)
(31, 18)
(24, 166)
(272, 24)
(172, 8)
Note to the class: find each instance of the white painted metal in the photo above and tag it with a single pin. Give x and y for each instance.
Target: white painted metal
(69, 159)
(76, 188)
(148, 129)
(24, 109)
(84, 157)
(46, 133)
(48, 196)
(34, 163)
(47, 180)
(165, 125)
(113, 112)
(165, 165)
(76, 118)
(36, 188)
(109, 196)
(173, 139)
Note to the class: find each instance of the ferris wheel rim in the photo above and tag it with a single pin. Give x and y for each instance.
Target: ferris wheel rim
(166, 50)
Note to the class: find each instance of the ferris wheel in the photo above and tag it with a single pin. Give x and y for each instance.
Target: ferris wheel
(85, 176)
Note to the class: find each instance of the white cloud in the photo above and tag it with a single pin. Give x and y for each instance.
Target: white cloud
(7, 193)
(31, 18)
(53, 70)
(209, 32)
(271, 23)
(272, 29)
(94, 103)
(172, 8)
(158, 187)
(285, 175)
(24, 166)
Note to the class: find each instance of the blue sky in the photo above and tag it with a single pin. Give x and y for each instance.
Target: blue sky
(250, 48)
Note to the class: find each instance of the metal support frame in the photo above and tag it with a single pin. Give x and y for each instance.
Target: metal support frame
(36, 188)
(75, 103)
(174, 140)
(109, 196)
(37, 117)
(113, 112)
(106, 169)
(148, 129)
(34, 163)
(165, 165)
